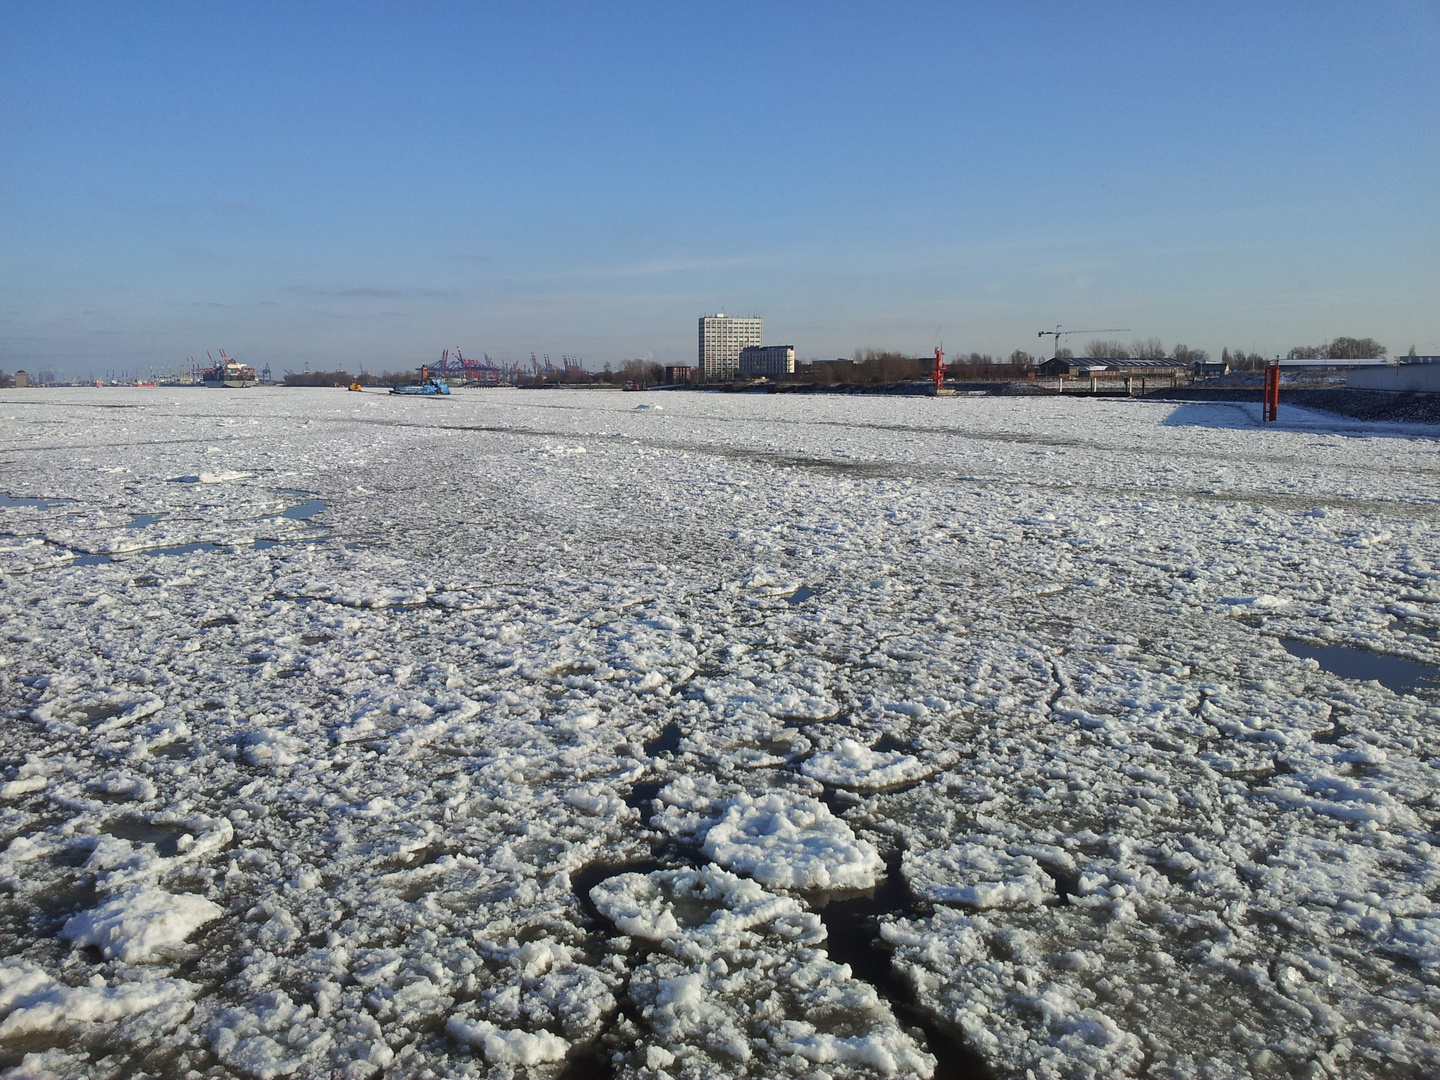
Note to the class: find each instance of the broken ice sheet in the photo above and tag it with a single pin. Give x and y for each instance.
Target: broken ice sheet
(738, 978)
(415, 727)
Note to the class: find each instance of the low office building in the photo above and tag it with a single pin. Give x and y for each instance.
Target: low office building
(679, 373)
(766, 361)
(1321, 363)
(1110, 367)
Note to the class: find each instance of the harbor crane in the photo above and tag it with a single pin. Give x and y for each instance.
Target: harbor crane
(1058, 333)
(455, 364)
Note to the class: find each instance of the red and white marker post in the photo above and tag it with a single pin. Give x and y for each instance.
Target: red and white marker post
(1270, 405)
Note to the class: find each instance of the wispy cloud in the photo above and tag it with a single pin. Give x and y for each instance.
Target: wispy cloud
(680, 265)
(367, 292)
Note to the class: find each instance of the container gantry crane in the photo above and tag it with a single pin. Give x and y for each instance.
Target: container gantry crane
(1058, 333)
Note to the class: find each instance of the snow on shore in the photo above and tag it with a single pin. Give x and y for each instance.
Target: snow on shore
(512, 757)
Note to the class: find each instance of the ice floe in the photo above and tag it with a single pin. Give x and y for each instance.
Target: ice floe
(791, 842)
(850, 764)
(32, 1001)
(139, 923)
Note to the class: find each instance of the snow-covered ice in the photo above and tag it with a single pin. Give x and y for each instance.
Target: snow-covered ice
(852, 765)
(139, 923)
(739, 981)
(791, 842)
(541, 747)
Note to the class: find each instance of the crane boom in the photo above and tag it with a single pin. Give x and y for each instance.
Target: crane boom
(1058, 333)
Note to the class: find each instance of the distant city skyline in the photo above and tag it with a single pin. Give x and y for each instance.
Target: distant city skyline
(346, 186)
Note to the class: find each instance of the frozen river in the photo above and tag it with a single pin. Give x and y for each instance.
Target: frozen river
(567, 734)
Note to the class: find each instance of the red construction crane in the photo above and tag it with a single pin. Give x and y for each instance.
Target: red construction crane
(486, 369)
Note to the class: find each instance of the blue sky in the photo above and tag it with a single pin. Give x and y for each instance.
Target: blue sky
(366, 184)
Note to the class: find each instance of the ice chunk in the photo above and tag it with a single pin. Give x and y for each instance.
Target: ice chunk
(1262, 602)
(270, 747)
(876, 1052)
(978, 875)
(705, 903)
(853, 765)
(795, 705)
(791, 841)
(723, 943)
(34, 1002)
(508, 1047)
(13, 789)
(140, 922)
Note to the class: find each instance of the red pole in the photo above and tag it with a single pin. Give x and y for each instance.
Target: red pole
(939, 370)
(1270, 406)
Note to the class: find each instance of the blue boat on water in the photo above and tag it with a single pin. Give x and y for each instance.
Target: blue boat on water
(428, 386)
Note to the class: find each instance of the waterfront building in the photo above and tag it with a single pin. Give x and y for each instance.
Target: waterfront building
(1109, 366)
(721, 339)
(766, 361)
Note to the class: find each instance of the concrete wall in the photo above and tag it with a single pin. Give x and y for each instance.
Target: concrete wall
(1424, 378)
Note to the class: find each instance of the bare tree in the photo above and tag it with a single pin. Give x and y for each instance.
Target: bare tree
(1186, 355)
(886, 365)
(1342, 348)
(643, 372)
(1239, 360)
(1111, 350)
(1022, 359)
(1147, 349)
(329, 378)
(1348, 348)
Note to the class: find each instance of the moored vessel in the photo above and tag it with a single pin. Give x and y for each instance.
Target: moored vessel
(428, 386)
(228, 372)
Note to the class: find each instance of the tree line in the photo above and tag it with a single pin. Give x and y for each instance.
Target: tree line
(341, 377)
(1341, 348)
(642, 372)
(872, 366)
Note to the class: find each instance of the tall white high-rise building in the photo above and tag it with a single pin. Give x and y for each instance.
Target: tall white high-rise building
(721, 339)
